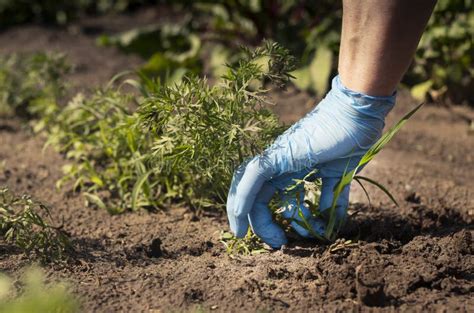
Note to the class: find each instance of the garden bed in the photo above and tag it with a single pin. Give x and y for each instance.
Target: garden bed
(417, 256)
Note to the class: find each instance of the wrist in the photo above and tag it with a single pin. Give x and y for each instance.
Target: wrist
(364, 104)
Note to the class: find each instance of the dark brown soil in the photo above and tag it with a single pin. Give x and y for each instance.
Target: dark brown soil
(416, 257)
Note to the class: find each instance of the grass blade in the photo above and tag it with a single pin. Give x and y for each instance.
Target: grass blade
(356, 178)
(379, 185)
(137, 187)
(369, 155)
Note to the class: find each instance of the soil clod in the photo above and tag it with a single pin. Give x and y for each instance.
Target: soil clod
(155, 250)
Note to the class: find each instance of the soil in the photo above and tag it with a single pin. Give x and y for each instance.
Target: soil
(415, 257)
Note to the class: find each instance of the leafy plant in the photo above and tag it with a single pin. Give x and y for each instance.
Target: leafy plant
(31, 84)
(444, 60)
(182, 144)
(249, 245)
(202, 133)
(27, 224)
(108, 151)
(310, 32)
(36, 295)
(172, 51)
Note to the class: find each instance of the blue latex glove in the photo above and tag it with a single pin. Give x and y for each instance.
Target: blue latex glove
(331, 138)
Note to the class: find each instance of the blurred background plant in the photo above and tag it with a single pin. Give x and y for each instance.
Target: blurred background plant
(59, 12)
(205, 33)
(31, 85)
(443, 67)
(32, 294)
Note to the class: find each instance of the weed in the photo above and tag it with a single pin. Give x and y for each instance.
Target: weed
(99, 134)
(349, 176)
(249, 245)
(202, 133)
(26, 223)
(182, 144)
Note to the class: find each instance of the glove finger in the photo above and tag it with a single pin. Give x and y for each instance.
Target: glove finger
(238, 224)
(327, 195)
(262, 221)
(256, 172)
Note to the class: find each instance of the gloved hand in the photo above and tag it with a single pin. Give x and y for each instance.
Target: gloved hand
(331, 138)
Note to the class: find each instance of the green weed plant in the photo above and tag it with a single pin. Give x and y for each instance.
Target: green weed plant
(27, 224)
(202, 133)
(178, 142)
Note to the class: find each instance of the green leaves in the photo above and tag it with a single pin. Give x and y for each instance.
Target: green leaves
(249, 245)
(380, 186)
(202, 133)
(27, 224)
(30, 85)
(101, 137)
(182, 144)
(172, 51)
(368, 156)
(141, 184)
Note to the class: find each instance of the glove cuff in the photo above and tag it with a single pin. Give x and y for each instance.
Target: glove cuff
(374, 106)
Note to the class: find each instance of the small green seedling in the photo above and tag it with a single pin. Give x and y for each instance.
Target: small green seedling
(27, 224)
(249, 245)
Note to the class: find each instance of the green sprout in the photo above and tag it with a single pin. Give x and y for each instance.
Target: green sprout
(249, 245)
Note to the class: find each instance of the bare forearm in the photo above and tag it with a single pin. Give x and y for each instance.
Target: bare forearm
(379, 39)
